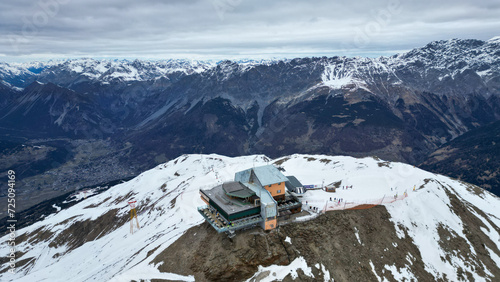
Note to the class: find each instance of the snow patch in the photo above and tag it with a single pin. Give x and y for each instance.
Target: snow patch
(493, 255)
(357, 235)
(149, 272)
(77, 69)
(403, 274)
(279, 272)
(374, 272)
(326, 274)
(490, 231)
(63, 115)
(336, 76)
(483, 73)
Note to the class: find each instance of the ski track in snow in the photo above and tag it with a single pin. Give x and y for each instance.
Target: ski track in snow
(166, 215)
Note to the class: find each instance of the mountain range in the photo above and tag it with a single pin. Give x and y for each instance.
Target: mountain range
(84, 122)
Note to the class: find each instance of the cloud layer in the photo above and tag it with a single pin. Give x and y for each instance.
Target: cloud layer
(235, 28)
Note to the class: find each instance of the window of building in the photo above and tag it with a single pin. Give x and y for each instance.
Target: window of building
(279, 191)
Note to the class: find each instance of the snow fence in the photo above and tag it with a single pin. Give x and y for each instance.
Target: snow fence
(367, 204)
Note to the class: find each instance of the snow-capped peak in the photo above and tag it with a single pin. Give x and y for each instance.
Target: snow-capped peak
(100, 70)
(137, 70)
(495, 39)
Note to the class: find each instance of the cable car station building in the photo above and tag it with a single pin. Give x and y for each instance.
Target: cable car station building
(257, 196)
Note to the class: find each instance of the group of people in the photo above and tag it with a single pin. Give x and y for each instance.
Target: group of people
(404, 194)
(313, 208)
(336, 200)
(346, 187)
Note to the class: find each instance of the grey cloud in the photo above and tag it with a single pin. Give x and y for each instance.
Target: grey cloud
(218, 28)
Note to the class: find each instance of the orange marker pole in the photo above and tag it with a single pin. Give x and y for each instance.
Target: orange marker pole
(133, 214)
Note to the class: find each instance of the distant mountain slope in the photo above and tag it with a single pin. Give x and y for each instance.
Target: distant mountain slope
(399, 108)
(472, 157)
(7, 94)
(445, 230)
(47, 110)
(76, 71)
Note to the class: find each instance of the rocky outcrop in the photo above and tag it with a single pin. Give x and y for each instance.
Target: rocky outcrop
(329, 240)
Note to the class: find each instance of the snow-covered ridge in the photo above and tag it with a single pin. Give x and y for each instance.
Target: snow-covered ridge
(168, 195)
(124, 70)
(435, 62)
(133, 71)
(20, 69)
(495, 39)
(101, 70)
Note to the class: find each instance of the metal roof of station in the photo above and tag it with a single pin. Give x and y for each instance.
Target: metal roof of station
(236, 189)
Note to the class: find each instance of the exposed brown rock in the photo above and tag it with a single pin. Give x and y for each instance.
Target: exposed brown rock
(329, 240)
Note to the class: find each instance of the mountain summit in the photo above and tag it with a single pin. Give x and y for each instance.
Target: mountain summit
(443, 230)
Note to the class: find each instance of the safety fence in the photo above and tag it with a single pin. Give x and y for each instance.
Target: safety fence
(359, 205)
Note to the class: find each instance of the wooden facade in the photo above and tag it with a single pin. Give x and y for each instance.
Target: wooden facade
(277, 190)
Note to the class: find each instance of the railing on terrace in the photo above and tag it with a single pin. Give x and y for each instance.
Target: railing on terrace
(220, 224)
(289, 206)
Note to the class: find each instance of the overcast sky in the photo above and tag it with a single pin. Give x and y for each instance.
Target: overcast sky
(217, 29)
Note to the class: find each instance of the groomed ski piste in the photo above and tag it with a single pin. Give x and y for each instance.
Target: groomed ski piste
(168, 196)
